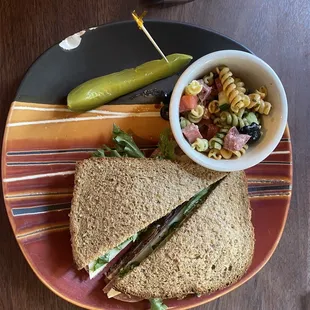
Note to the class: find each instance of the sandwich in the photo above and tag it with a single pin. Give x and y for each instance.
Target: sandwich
(156, 228)
(210, 250)
(121, 203)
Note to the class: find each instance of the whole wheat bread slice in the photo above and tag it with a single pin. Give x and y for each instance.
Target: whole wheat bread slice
(210, 251)
(114, 198)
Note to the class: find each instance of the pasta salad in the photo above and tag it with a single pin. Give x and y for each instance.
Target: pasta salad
(220, 117)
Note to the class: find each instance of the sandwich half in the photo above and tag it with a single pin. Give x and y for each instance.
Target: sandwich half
(115, 199)
(211, 250)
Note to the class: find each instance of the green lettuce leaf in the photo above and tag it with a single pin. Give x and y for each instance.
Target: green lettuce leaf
(132, 238)
(105, 151)
(166, 145)
(125, 143)
(99, 153)
(157, 304)
(125, 146)
(102, 260)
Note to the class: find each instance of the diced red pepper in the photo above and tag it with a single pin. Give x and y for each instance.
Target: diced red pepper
(188, 102)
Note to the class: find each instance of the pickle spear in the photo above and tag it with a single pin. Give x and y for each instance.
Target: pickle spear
(104, 89)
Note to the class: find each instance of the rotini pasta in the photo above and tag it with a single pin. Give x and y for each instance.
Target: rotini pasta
(262, 91)
(196, 114)
(184, 122)
(240, 152)
(263, 108)
(226, 154)
(240, 86)
(230, 88)
(200, 145)
(214, 153)
(209, 79)
(246, 100)
(213, 107)
(216, 118)
(254, 100)
(222, 98)
(225, 129)
(217, 121)
(193, 88)
(241, 112)
(207, 114)
(232, 119)
(218, 140)
(257, 104)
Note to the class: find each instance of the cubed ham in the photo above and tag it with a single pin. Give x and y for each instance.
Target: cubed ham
(188, 102)
(234, 141)
(191, 133)
(218, 84)
(205, 92)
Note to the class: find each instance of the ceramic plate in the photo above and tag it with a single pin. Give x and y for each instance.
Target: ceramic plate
(43, 140)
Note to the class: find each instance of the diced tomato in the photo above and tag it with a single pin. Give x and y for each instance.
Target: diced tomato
(218, 84)
(188, 102)
(212, 131)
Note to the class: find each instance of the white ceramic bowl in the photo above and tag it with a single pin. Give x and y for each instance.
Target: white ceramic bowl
(255, 73)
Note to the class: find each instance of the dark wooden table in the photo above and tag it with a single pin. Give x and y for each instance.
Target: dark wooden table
(277, 31)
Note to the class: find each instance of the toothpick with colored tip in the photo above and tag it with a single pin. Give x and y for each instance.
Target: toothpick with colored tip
(139, 21)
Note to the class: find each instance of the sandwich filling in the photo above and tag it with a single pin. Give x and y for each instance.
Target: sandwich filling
(96, 266)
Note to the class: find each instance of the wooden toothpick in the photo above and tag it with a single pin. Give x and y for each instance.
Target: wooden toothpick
(139, 21)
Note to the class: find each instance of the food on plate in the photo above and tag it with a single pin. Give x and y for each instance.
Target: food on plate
(193, 88)
(196, 114)
(157, 304)
(158, 228)
(116, 198)
(211, 249)
(104, 89)
(201, 145)
(220, 117)
(156, 235)
(125, 146)
(188, 102)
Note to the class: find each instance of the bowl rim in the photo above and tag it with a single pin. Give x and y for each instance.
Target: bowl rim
(202, 159)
